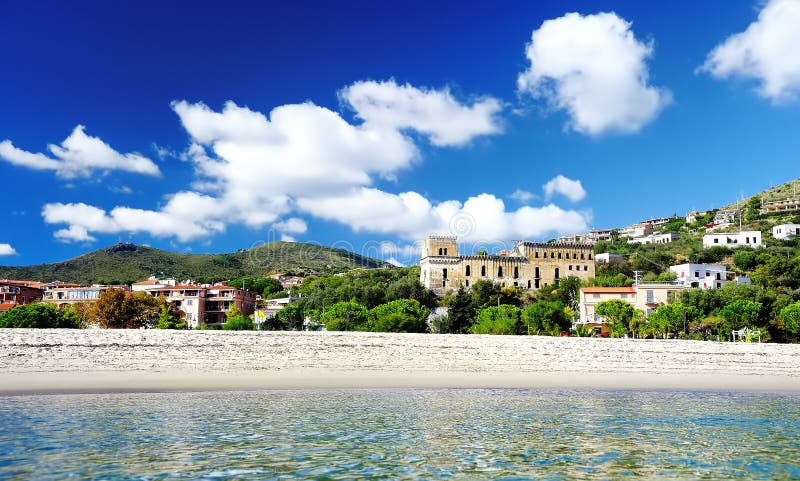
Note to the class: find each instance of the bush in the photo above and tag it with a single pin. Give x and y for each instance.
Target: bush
(238, 323)
(502, 319)
(40, 316)
(346, 316)
(402, 315)
(546, 317)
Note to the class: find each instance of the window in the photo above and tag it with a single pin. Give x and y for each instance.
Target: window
(444, 273)
(595, 296)
(536, 283)
(718, 276)
(697, 273)
(483, 271)
(556, 276)
(529, 284)
(586, 268)
(716, 241)
(747, 240)
(570, 267)
(536, 254)
(467, 282)
(467, 272)
(559, 255)
(440, 251)
(553, 255)
(651, 298)
(189, 302)
(516, 272)
(582, 254)
(445, 251)
(623, 296)
(536, 274)
(500, 271)
(590, 256)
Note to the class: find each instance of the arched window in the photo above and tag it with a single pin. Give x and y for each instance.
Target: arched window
(445, 251)
(516, 272)
(440, 251)
(590, 256)
(536, 254)
(556, 276)
(483, 271)
(582, 256)
(467, 283)
(500, 271)
(467, 272)
(553, 254)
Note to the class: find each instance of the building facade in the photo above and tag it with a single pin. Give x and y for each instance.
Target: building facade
(205, 304)
(15, 293)
(703, 276)
(644, 296)
(528, 265)
(655, 239)
(786, 231)
(747, 238)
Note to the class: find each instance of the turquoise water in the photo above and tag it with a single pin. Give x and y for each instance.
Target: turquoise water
(401, 434)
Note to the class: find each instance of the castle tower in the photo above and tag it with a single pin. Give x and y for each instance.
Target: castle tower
(440, 246)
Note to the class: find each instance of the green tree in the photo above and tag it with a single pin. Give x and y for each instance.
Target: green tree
(140, 309)
(790, 320)
(461, 313)
(346, 316)
(168, 317)
(39, 316)
(740, 314)
(402, 315)
(617, 314)
(485, 293)
(745, 259)
(108, 311)
(502, 319)
(290, 317)
(546, 317)
(236, 321)
(671, 318)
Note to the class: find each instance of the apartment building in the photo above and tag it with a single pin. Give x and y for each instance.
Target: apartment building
(747, 238)
(703, 276)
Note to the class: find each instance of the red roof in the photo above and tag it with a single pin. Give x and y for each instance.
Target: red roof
(6, 306)
(608, 290)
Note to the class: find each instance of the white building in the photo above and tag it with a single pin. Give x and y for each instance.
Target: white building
(747, 238)
(608, 258)
(655, 239)
(636, 230)
(700, 275)
(643, 296)
(786, 231)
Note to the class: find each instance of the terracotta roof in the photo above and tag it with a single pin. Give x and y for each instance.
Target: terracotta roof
(608, 290)
(6, 306)
(146, 283)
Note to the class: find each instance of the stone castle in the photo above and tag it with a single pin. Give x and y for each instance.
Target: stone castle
(529, 265)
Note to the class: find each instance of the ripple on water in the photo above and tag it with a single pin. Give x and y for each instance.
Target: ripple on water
(400, 434)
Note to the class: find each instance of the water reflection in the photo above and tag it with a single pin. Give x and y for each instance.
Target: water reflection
(403, 434)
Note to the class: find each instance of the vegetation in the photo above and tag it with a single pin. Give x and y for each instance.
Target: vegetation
(502, 319)
(39, 316)
(236, 321)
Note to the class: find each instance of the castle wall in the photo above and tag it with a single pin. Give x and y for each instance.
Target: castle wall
(530, 266)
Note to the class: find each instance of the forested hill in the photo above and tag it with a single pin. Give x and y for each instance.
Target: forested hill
(125, 263)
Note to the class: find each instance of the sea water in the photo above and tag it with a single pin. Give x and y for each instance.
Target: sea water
(401, 434)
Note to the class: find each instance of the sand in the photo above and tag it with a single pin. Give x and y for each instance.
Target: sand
(52, 361)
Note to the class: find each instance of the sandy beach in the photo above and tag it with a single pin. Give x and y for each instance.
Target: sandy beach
(45, 361)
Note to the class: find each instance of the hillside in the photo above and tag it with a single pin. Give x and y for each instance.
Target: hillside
(779, 192)
(124, 263)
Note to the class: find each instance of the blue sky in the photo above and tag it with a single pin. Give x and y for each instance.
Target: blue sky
(366, 125)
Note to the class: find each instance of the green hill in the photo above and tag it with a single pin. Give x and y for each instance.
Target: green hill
(125, 263)
(778, 192)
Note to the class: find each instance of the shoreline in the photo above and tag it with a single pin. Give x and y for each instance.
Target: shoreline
(95, 361)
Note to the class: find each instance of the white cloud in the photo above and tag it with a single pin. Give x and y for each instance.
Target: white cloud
(433, 112)
(523, 196)
(765, 51)
(594, 68)
(7, 250)
(571, 189)
(411, 216)
(395, 262)
(293, 225)
(258, 170)
(79, 155)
